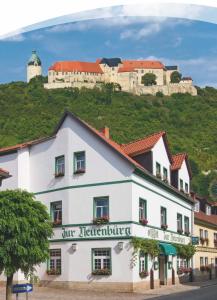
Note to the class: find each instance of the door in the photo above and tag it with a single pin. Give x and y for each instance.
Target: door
(162, 270)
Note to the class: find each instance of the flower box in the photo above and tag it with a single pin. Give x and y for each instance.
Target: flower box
(79, 171)
(57, 222)
(180, 231)
(143, 274)
(60, 174)
(102, 272)
(101, 220)
(187, 233)
(54, 272)
(164, 226)
(143, 221)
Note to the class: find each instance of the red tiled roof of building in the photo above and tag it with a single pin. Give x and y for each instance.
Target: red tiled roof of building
(76, 66)
(132, 65)
(142, 145)
(201, 216)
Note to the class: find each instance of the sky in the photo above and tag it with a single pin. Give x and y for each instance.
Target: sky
(192, 45)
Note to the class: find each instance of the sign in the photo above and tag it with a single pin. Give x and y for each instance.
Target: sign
(22, 288)
(195, 240)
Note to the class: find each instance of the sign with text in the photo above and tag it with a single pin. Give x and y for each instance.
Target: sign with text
(118, 230)
(195, 240)
(22, 288)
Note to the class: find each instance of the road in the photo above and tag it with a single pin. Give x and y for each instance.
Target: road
(203, 293)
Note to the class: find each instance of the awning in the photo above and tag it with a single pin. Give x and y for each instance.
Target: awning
(167, 249)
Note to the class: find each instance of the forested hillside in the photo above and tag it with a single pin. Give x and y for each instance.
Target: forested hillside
(28, 111)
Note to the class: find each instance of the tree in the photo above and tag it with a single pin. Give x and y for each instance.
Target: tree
(149, 79)
(24, 231)
(175, 77)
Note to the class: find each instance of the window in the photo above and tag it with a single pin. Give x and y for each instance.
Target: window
(101, 261)
(142, 209)
(201, 234)
(206, 234)
(181, 184)
(79, 162)
(197, 206)
(182, 262)
(165, 174)
(143, 262)
(179, 223)
(101, 207)
(208, 210)
(55, 262)
(186, 225)
(158, 169)
(206, 261)
(56, 212)
(163, 219)
(186, 187)
(201, 261)
(59, 166)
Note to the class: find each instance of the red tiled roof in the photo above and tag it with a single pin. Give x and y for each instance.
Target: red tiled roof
(142, 145)
(178, 160)
(132, 65)
(201, 216)
(77, 66)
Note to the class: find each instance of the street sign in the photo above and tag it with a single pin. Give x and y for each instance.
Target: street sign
(22, 288)
(195, 240)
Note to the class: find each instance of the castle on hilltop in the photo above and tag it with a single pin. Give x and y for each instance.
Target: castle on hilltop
(127, 74)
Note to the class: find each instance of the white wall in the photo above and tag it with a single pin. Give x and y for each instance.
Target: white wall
(9, 163)
(160, 155)
(184, 175)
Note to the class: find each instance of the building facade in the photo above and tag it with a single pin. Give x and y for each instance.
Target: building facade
(127, 74)
(205, 228)
(100, 195)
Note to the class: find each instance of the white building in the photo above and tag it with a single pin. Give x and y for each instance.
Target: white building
(100, 195)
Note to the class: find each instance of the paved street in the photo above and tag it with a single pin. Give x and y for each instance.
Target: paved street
(193, 292)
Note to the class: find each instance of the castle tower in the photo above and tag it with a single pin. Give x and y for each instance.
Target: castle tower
(34, 67)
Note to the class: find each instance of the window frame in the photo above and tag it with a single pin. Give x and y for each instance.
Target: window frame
(201, 261)
(141, 200)
(55, 258)
(186, 187)
(181, 184)
(93, 262)
(162, 208)
(188, 224)
(158, 165)
(179, 218)
(59, 174)
(165, 171)
(143, 257)
(75, 169)
(95, 206)
(52, 211)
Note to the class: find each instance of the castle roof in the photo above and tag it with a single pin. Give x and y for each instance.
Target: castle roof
(111, 62)
(132, 65)
(34, 60)
(76, 66)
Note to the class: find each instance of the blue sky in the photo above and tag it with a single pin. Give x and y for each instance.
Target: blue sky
(190, 44)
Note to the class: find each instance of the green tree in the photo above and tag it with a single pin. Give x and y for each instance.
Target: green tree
(24, 231)
(149, 79)
(175, 77)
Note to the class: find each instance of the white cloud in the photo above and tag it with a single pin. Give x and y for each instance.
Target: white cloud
(141, 33)
(15, 38)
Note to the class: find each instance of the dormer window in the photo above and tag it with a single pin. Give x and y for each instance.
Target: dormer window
(165, 175)
(158, 170)
(197, 206)
(186, 187)
(181, 185)
(208, 210)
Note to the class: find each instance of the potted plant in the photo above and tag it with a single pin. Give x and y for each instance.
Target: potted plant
(57, 222)
(143, 274)
(101, 220)
(180, 231)
(180, 271)
(54, 272)
(79, 171)
(164, 226)
(143, 221)
(105, 271)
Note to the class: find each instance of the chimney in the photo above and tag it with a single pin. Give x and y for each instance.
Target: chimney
(105, 132)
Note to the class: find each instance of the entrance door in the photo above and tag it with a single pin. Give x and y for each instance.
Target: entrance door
(162, 270)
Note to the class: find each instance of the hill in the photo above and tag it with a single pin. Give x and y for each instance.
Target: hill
(28, 111)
